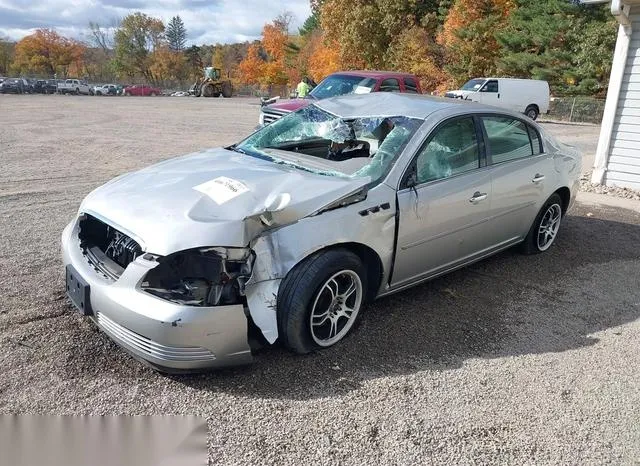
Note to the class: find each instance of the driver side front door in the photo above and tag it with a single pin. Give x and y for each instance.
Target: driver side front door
(443, 204)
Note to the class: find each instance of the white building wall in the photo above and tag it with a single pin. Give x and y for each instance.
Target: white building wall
(623, 167)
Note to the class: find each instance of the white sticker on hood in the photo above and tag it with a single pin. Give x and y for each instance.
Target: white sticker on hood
(222, 189)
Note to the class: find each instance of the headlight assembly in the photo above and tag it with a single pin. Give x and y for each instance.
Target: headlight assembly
(201, 277)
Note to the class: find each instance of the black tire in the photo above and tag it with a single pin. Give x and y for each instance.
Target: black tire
(300, 289)
(207, 90)
(532, 112)
(227, 89)
(531, 244)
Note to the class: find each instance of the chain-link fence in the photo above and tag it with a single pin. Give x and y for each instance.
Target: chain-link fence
(262, 91)
(577, 109)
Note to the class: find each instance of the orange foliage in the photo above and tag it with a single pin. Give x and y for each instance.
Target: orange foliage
(324, 59)
(251, 67)
(274, 40)
(414, 51)
(46, 52)
(166, 64)
(465, 12)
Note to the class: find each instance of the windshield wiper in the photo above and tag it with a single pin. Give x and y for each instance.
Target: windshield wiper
(235, 148)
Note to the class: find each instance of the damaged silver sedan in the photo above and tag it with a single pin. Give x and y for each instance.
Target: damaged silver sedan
(196, 261)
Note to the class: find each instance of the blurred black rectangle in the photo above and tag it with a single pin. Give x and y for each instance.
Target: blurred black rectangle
(102, 440)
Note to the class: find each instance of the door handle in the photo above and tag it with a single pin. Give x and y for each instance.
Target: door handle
(538, 178)
(478, 197)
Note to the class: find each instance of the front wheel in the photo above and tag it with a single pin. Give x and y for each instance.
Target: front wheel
(320, 299)
(545, 227)
(227, 89)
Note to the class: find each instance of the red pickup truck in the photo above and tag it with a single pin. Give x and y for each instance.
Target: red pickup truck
(142, 90)
(344, 82)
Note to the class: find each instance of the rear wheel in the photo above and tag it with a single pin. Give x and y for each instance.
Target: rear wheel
(320, 299)
(532, 111)
(545, 227)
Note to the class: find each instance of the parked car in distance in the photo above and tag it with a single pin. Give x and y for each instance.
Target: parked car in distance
(13, 86)
(288, 233)
(341, 83)
(528, 96)
(45, 86)
(73, 86)
(142, 90)
(105, 89)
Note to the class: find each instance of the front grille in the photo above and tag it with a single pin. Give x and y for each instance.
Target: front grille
(272, 115)
(107, 249)
(151, 348)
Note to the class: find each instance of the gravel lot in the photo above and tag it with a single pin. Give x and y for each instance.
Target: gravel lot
(515, 360)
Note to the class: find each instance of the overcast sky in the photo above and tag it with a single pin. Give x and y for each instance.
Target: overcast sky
(207, 21)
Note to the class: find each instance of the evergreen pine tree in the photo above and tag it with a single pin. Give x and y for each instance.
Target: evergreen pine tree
(176, 34)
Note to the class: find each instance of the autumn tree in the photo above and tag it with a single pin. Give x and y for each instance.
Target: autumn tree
(176, 34)
(167, 65)
(469, 37)
(324, 57)
(136, 39)
(46, 53)
(416, 51)
(365, 29)
(251, 68)
(271, 61)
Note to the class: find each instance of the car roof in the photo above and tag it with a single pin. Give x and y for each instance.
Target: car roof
(373, 74)
(392, 104)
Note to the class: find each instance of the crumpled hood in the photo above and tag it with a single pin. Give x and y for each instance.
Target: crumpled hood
(210, 198)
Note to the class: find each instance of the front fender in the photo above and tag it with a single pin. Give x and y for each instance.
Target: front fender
(278, 251)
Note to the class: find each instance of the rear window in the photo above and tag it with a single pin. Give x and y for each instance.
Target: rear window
(508, 139)
(536, 142)
(390, 85)
(410, 85)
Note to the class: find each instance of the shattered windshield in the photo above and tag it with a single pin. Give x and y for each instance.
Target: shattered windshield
(314, 140)
(473, 85)
(340, 85)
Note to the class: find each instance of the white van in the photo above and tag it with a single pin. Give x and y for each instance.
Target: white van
(528, 96)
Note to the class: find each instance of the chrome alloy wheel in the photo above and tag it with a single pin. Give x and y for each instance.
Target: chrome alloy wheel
(336, 307)
(549, 226)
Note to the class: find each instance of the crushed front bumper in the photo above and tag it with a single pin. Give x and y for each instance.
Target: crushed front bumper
(167, 336)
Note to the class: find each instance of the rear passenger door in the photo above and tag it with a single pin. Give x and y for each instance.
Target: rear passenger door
(522, 175)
